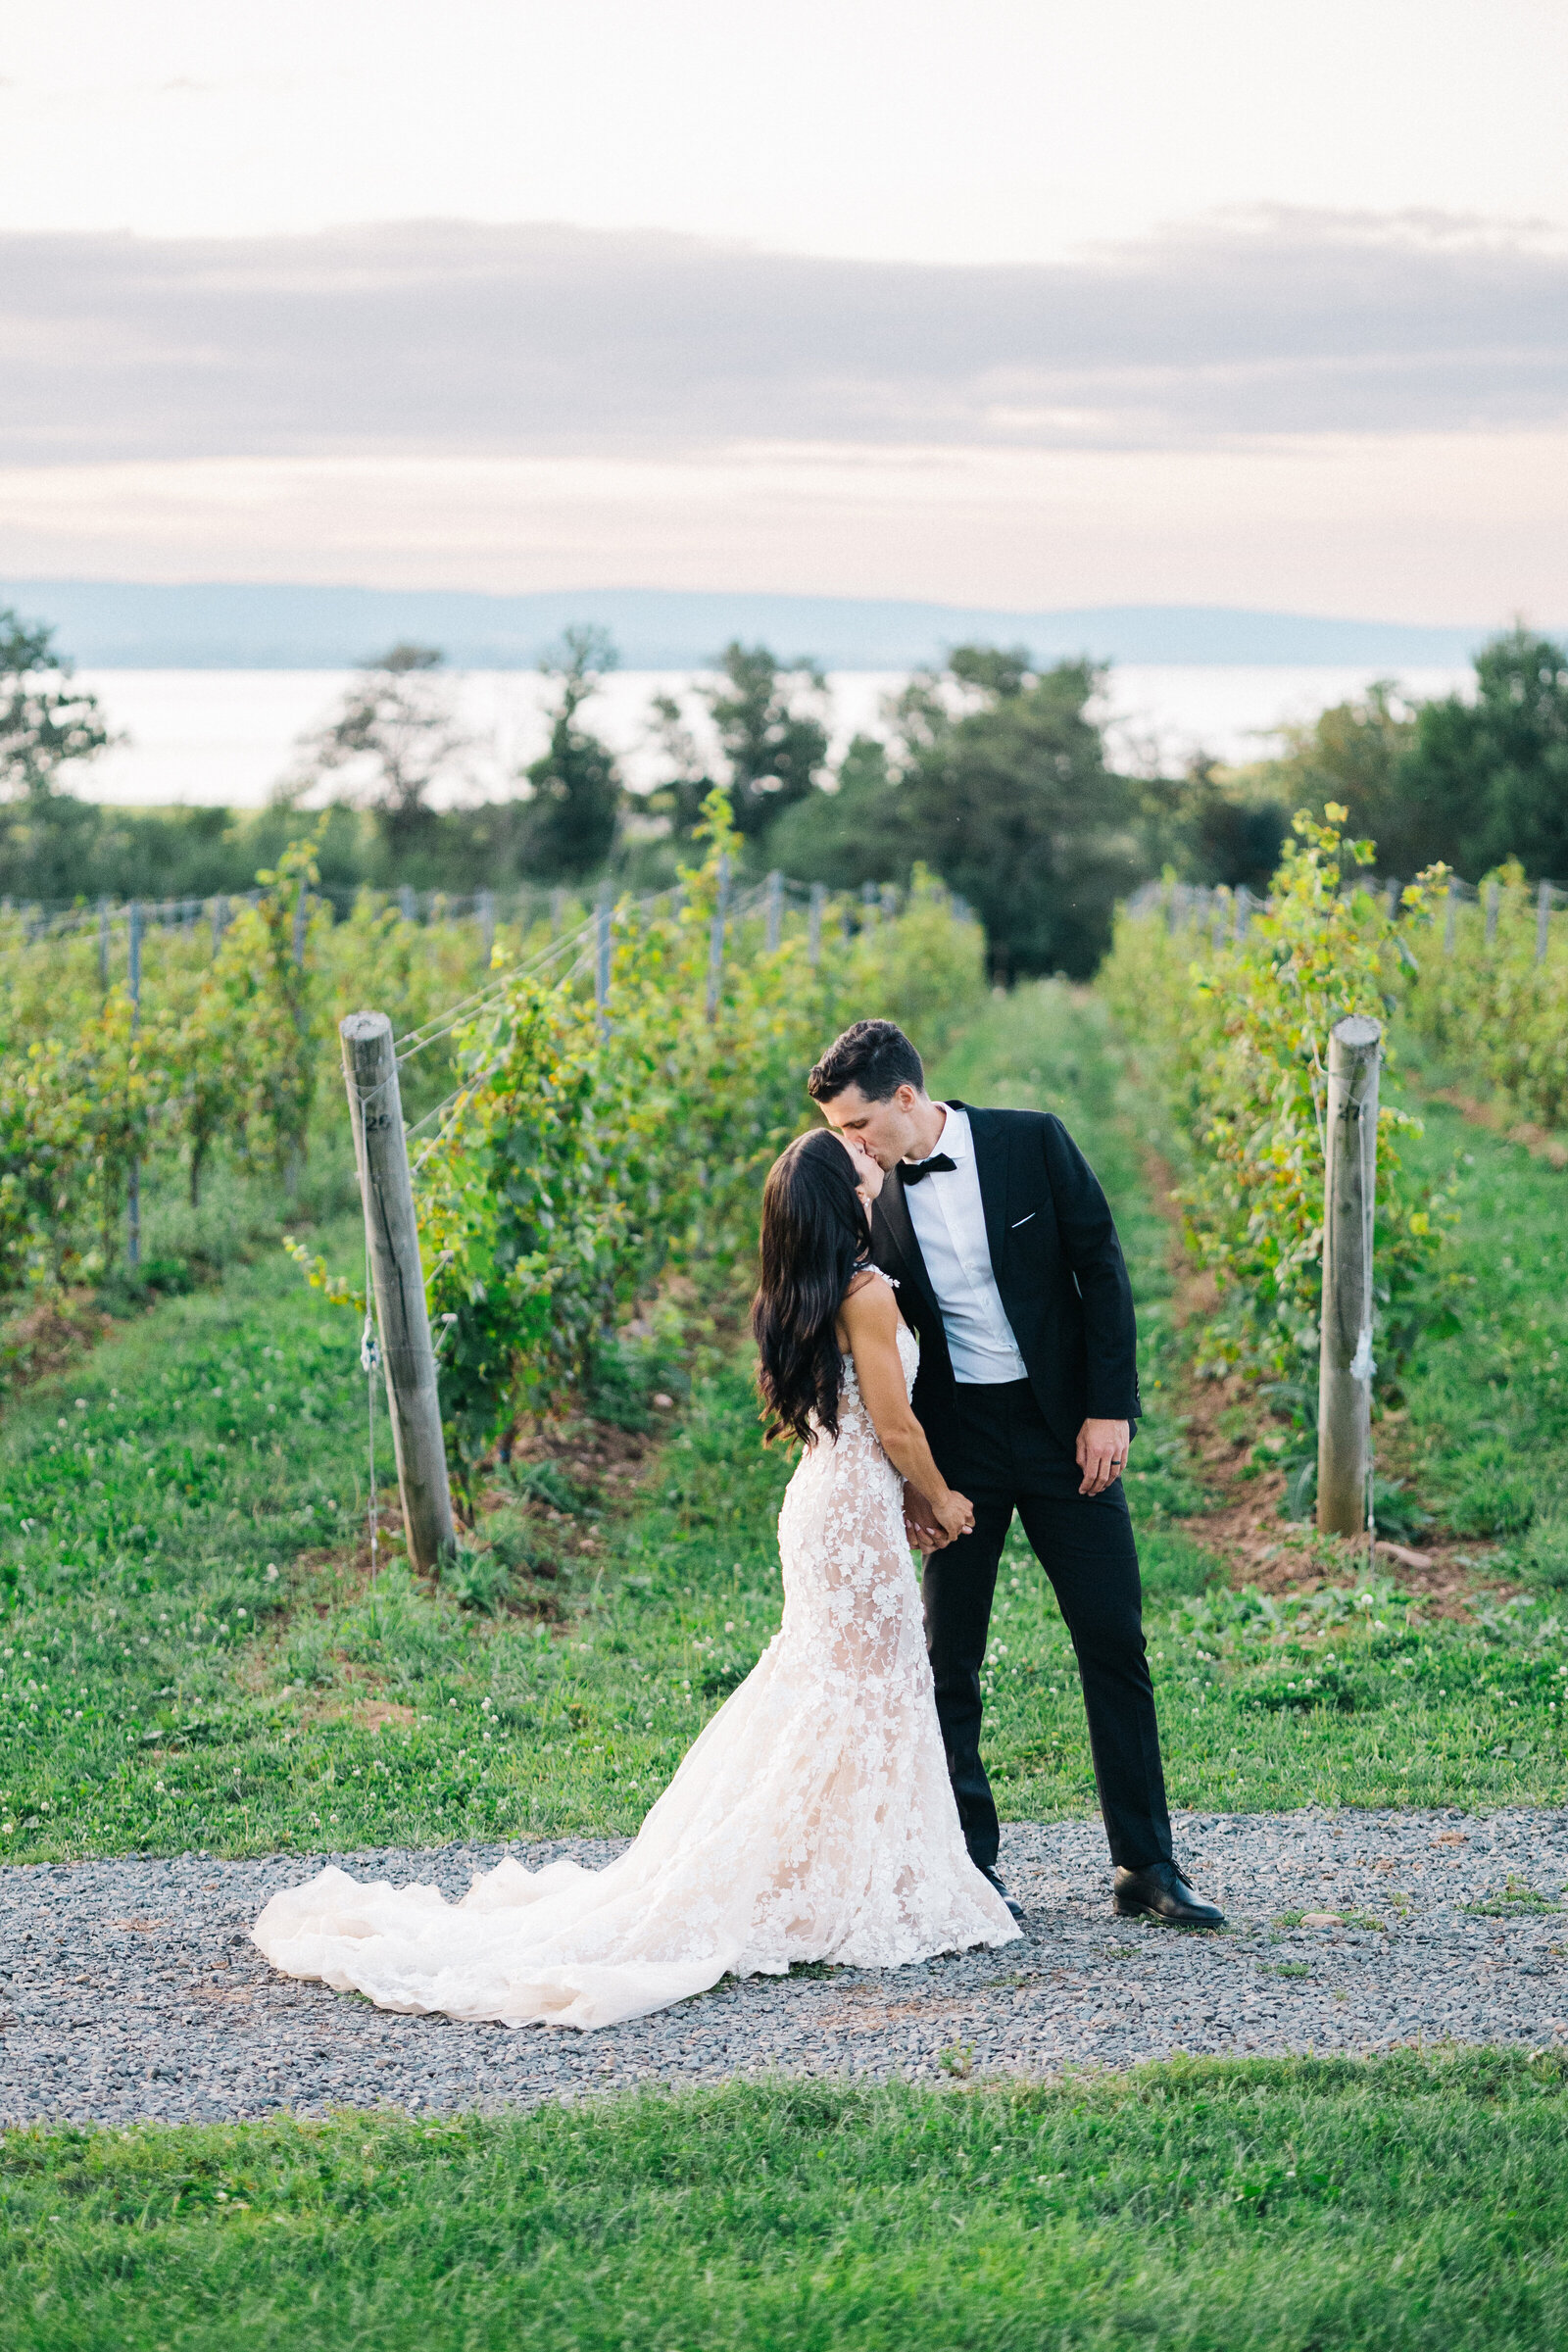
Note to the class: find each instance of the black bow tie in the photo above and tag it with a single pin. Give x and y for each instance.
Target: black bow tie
(916, 1172)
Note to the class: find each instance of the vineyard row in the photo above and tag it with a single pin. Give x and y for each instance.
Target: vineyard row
(194, 1048)
(1480, 971)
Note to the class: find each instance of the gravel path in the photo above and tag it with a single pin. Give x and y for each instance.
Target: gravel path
(130, 1987)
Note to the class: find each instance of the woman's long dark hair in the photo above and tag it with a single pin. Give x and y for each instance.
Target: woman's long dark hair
(813, 1238)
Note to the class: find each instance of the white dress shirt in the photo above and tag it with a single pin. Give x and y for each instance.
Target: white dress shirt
(949, 1224)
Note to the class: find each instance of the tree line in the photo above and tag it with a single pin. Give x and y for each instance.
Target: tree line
(990, 771)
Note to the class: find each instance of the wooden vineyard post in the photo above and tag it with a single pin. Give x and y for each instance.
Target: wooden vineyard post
(604, 919)
(380, 1150)
(1344, 1369)
(715, 937)
(133, 990)
(291, 1170)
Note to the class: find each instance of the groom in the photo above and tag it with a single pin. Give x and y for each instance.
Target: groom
(1003, 1247)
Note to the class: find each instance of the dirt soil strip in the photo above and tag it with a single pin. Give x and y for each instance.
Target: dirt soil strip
(132, 1989)
(1541, 1143)
(1243, 1526)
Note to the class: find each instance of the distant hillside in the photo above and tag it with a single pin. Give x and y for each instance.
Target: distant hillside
(112, 624)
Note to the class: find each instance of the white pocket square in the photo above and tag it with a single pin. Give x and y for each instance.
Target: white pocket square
(1017, 1221)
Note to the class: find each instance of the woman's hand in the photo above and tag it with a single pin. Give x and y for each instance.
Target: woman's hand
(954, 1514)
(920, 1522)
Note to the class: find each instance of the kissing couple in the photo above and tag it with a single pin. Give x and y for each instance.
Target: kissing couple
(945, 1325)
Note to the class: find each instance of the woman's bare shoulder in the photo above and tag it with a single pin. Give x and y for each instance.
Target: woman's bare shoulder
(869, 1303)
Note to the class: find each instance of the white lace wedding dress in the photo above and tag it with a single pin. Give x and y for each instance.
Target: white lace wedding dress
(810, 1820)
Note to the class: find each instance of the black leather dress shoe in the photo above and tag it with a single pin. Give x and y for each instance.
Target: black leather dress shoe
(994, 1878)
(1161, 1892)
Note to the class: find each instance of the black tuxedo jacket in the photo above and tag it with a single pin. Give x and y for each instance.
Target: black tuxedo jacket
(1058, 1267)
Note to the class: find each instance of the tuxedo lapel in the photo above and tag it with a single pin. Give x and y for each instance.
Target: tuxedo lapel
(991, 1166)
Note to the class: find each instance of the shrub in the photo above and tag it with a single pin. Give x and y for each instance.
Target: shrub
(1488, 1005)
(601, 1161)
(1241, 1037)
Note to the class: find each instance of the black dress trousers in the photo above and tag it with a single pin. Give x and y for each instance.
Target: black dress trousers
(998, 1450)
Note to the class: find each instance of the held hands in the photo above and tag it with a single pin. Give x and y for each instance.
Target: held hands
(929, 1526)
(1101, 1453)
(954, 1515)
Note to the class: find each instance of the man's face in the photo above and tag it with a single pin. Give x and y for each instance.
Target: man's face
(888, 1130)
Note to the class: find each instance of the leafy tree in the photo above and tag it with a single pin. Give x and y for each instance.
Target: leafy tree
(769, 719)
(576, 784)
(681, 795)
(47, 844)
(45, 721)
(1357, 754)
(1472, 780)
(995, 781)
(398, 722)
(1489, 776)
(1003, 790)
(1210, 826)
(850, 835)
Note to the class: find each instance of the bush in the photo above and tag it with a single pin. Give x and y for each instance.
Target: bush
(1489, 1005)
(1239, 1038)
(596, 1164)
(579, 1166)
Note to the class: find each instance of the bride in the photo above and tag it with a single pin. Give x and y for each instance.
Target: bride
(813, 1818)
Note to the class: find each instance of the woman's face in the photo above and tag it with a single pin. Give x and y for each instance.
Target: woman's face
(867, 1171)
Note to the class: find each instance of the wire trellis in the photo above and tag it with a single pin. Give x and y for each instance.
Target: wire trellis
(1224, 912)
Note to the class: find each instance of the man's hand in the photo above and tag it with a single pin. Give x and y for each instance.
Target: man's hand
(1102, 1452)
(920, 1522)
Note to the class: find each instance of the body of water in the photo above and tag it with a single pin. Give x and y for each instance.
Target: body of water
(231, 736)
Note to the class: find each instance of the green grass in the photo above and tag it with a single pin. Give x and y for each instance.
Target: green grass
(1486, 1445)
(191, 1650)
(1289, 2206)
(1263, 1705)
(163, 1689)
(192, 1638)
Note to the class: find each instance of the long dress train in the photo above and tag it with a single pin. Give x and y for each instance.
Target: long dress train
(810, 1820)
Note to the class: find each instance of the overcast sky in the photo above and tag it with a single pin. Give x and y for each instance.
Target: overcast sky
(994, 302)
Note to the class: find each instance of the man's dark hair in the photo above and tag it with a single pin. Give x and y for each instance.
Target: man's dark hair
(874, 1056)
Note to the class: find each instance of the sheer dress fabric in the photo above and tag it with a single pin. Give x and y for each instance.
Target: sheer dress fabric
(810, 1820)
